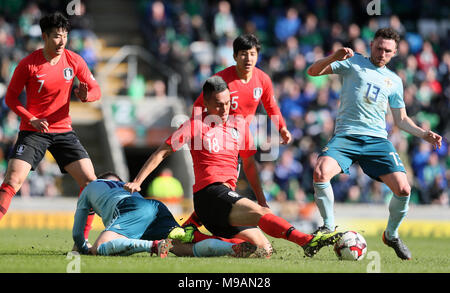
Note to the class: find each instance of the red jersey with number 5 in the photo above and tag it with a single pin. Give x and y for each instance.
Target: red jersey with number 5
(214, 148)
(245, 97)
(48, 89)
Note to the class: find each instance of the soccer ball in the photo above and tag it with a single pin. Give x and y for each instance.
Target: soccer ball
(351, 246)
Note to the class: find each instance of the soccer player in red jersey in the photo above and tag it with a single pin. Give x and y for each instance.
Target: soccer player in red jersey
(216, 140)
(248, 86)
(47, 75)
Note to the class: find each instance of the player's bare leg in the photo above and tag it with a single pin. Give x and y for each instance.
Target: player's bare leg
(82, 171)
(213, 248)
(105, 236)
(15, 176)
(256, 237)
(325, 169)
(398, 208)
(398, 183)
(248, 213)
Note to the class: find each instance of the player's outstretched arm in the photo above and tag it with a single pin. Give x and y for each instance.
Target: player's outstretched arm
(405, 123)
(153, 161)
(251, 172)
(81, 245)
(322, 66)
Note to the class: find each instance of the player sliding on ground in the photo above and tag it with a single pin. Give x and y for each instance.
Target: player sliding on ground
(215, 140)
(368, 87)
(134, 224)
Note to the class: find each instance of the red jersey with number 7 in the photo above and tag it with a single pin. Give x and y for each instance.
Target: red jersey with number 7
(245, 97)
(214, 148)
(48, 89)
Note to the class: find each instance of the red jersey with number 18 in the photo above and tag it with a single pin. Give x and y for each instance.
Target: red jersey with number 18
(214, 148)
(48, 89)
(245, 97)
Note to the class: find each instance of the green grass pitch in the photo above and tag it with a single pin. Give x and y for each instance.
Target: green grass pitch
(46, 251)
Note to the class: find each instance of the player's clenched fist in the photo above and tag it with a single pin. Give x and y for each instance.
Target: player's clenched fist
(132, 187)
(82, 92)
(433, 138)
(342, 54)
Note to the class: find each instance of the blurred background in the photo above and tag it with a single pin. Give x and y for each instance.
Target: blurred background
(152, 57)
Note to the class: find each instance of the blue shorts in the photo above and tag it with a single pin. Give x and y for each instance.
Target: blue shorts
(376, 155)
(139, 218)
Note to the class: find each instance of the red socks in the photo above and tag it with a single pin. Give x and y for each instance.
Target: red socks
(199, 236)
(88, 227)
(89, 220)
(280, 228)
(193, 219)
(6, 194)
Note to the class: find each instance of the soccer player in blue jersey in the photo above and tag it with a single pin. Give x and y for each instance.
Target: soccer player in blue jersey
(368, 88)
(134, 224)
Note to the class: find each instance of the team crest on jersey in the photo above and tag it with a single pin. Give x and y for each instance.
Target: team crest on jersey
(388, 82)
(235, 133)
(257, 93)
(68, 73)
(20, 149)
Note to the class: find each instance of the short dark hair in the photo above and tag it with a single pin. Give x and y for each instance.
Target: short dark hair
(54, 20)
(246, 42)
(213, 84)
(388, 33)
(109, 174)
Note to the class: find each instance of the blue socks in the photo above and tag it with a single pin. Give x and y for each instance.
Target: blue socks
(324, 198)
(398, 208)
(212, 247)
(124, 247)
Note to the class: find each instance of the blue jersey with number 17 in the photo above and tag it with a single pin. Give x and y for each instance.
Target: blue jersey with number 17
(366, 92)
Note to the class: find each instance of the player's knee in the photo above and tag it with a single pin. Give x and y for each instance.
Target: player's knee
(14, 181)
(404, 190)
(319, 175)
(261, 211)
(87, 180)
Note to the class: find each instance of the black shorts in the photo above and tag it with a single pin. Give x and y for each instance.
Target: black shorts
(64, 147)
(213, 205)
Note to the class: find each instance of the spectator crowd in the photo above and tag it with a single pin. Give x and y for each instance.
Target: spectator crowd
(195, 38)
